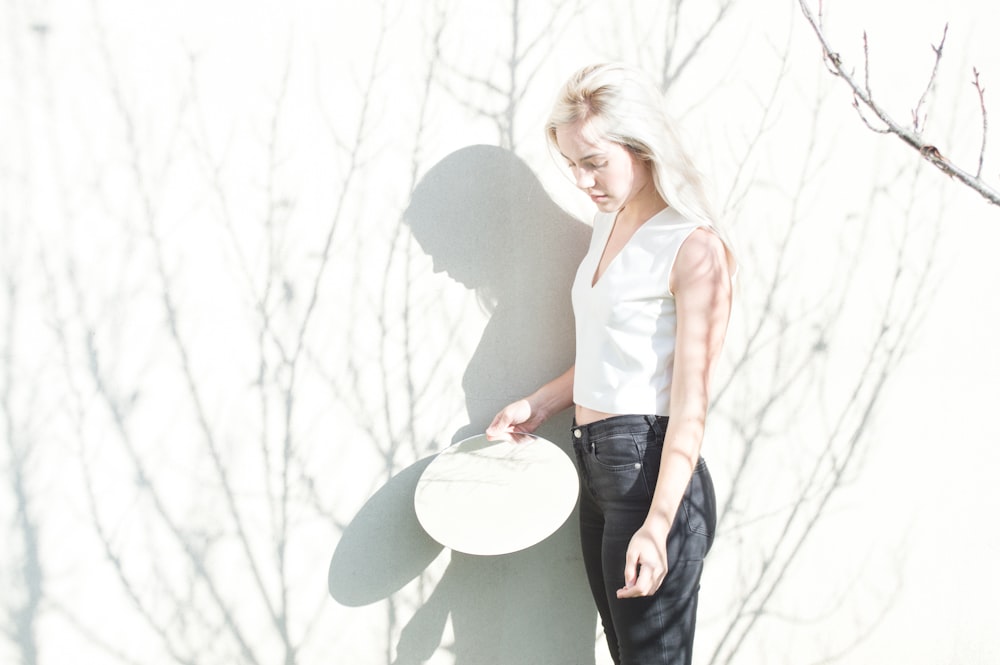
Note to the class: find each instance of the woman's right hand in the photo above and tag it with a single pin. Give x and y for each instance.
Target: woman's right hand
(515, 417)
(526, 415)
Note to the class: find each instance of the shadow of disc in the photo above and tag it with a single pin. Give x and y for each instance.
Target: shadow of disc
(384, 547)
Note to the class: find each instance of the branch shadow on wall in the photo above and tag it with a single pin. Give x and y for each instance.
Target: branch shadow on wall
(484, 218)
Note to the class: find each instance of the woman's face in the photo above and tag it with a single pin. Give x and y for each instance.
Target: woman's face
(610, 174)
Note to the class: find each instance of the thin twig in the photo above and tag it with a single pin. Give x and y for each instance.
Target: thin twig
(868, 86)
(938, 50)
(982, 106)
(868, 90)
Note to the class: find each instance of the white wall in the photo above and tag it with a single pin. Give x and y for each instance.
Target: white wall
(261, 262)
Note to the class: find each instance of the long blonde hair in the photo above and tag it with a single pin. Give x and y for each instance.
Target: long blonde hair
(623, 105)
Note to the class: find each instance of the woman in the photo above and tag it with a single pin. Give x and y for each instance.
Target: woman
(652, 300)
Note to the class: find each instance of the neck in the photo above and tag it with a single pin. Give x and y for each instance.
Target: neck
(646, 203)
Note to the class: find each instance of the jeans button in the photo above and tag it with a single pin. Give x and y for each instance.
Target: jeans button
(577, 433)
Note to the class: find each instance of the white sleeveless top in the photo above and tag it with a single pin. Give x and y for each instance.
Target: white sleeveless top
(626, 323)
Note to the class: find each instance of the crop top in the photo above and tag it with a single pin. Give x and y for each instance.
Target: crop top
(626, 323)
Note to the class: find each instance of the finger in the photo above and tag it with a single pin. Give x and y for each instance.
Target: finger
(631, 568)
(520, 436)
(645, 582)
(658, 581)
(628, 591)
(498, 427)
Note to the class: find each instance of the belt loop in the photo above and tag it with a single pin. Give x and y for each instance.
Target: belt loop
(656, 424)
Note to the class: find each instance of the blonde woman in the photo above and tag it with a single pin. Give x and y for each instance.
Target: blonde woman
(652, 300)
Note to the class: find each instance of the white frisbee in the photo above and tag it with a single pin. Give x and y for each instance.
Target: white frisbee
(495, 497)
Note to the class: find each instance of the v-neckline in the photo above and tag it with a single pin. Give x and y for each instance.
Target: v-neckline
(598, 275)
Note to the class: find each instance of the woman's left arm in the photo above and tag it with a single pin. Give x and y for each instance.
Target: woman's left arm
(702, 287)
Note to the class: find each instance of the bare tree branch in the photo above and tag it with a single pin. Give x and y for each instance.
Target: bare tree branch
(173, 324)
(863, 94)
(24, 603)
(769, 106)
(509, 95)
(93, 637)
(670, 73)
(901, 313)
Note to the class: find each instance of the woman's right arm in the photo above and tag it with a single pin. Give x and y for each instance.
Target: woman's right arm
(525, 415)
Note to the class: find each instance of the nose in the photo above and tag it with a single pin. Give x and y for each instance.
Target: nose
(584, 179)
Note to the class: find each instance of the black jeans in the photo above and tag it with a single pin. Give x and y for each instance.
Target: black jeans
(618, 460)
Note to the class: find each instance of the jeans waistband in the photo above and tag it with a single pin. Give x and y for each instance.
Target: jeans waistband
(618, 425)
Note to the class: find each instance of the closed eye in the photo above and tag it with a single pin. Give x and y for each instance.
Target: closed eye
(590, 166)
(590, 162)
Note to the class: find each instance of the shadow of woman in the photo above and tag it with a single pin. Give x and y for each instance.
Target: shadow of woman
(485, 219)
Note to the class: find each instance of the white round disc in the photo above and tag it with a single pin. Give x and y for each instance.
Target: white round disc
(495, 497)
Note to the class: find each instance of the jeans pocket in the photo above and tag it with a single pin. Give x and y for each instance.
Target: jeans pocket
(699, 503)
(617, 452)
(624, 468)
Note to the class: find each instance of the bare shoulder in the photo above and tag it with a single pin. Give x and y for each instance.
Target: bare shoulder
(701, 258)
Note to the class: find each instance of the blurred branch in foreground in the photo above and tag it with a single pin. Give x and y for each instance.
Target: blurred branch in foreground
(912, 136)
(21, 607)
(675, 62)
(507, 88)
(794, 356)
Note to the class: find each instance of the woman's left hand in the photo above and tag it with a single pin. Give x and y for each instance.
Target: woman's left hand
(645, 563)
